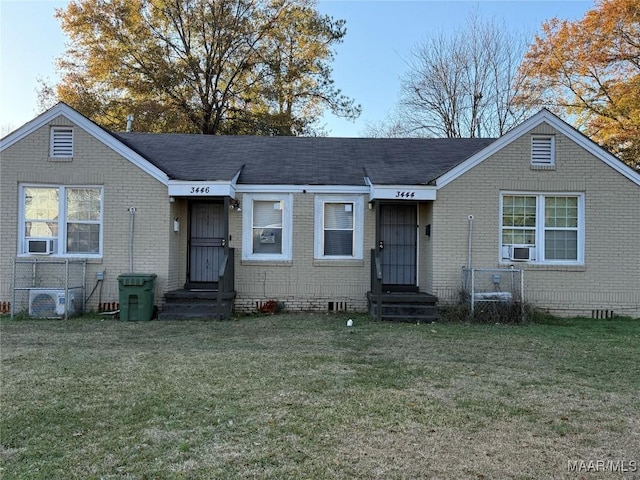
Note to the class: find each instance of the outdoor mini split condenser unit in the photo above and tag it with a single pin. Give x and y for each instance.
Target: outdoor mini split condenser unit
(51, 303)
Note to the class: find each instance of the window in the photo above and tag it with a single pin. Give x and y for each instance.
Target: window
(267, 227)
(338, 227)
(561, 228)
(543, 151)
(83, 216)
(61, 220)
(544, 228)
(61, 142)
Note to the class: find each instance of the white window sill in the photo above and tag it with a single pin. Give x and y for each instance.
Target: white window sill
(62, 257)
(266, 261)
(558, 267)
(338, 262)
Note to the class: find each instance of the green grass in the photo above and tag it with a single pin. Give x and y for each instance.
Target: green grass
(303, 396)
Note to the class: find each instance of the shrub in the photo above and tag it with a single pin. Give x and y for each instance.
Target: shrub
(487, 312)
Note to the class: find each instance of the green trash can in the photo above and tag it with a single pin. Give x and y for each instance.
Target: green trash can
(137, 291)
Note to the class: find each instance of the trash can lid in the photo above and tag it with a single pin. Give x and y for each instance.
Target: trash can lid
(136, 278)
(137, 275)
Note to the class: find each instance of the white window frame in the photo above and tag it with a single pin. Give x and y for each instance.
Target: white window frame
(540, 162)
(247, 226)
(540, 228)
(53, 142)
(60, 243)
(358, 226)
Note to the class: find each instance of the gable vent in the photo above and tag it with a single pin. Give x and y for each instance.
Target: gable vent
(542, 151)
(62, 142)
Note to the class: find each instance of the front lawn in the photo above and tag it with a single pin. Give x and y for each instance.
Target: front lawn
(304, 396)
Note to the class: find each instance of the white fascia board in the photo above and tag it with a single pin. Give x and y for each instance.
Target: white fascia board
(330, 189)
(543, 116)
(32, 125)
(595, 149)
(183, 188)
(402, 192)
(92, 129)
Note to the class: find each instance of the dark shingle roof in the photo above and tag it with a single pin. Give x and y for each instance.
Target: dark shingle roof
(302, 160)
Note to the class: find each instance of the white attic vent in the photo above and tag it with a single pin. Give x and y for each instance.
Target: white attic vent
(542, 151)
(62, 142)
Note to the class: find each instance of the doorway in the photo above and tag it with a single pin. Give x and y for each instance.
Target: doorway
(398, 224)
(207, 239)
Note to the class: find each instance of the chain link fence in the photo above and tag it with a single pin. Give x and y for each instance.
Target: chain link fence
(494, 294)
(48, 288)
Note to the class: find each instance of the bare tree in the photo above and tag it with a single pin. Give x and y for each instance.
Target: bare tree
(390, 127)
(463, 84)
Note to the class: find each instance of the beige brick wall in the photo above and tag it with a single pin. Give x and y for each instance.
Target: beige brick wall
(303, 283)
(178, 242)
(425, 247)
(610, 278)
(125, 185)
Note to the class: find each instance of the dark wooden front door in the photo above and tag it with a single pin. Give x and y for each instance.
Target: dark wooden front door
(207, 234)
(398, 239)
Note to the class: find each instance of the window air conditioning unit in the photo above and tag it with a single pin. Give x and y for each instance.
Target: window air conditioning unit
(45, 303)
(40, 246)
(521, 253)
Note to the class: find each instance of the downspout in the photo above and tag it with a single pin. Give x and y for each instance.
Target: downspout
(132, 211)
(469, 241)
(470, 272)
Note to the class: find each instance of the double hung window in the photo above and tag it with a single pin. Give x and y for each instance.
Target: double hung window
(61, 220)
(339, 221)
(543, 228)
(267, 226)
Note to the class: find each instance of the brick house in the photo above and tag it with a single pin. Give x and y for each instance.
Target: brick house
(319, 223)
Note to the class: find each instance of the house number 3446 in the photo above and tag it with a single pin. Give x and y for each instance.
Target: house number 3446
(200, 190)
(400, 194)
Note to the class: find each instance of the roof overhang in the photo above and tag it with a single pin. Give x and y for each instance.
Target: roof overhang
(214, 188)
(319, 189)
(181, 188)
(401, 192)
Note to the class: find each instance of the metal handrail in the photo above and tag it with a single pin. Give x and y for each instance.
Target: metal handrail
(223, 268)
(226, 281)
(376, 281)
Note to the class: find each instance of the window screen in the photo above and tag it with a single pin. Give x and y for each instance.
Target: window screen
(267, 226)
(338, 229)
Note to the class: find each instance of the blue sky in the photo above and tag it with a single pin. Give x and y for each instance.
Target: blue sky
(368, 64)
